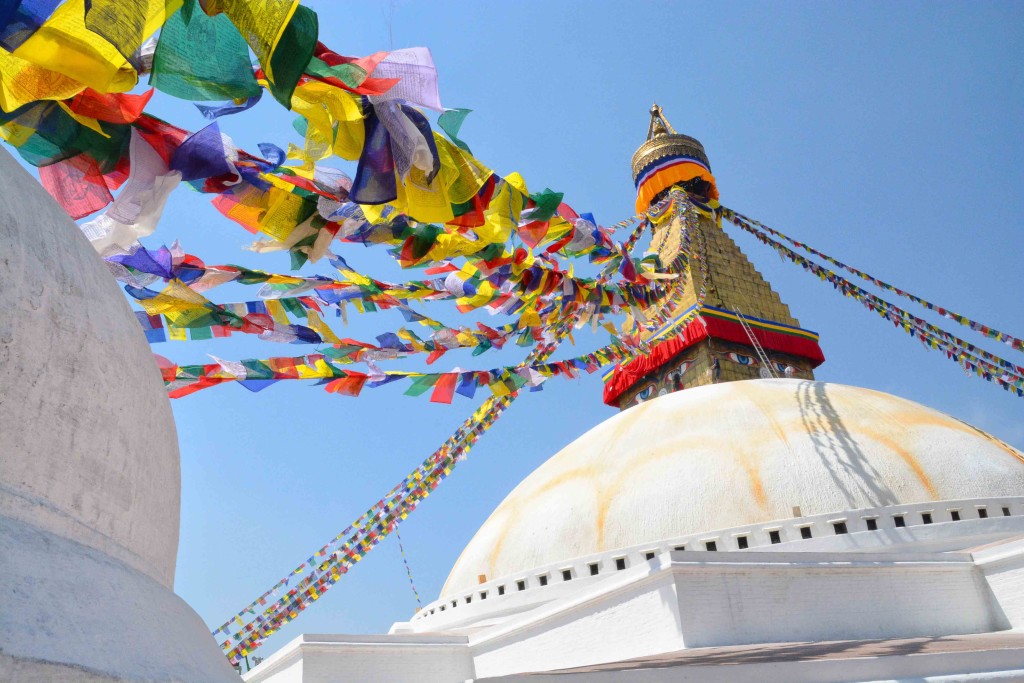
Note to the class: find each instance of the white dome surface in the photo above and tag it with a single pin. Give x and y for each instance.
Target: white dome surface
(89, 449)
(89, 473)
(728, 455)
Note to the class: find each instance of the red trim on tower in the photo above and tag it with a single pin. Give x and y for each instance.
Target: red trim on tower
(625, 376)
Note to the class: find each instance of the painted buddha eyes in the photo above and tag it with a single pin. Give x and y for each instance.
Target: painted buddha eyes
(741, 359)
(645, 393)
(684, 366)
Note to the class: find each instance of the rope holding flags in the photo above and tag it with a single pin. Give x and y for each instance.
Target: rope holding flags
(326, 566)
(408, 569)
(985, 330)
(265, 615)
(973, 359)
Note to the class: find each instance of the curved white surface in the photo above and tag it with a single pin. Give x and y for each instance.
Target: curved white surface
(728, 455)
(89, 449)
(90, 482)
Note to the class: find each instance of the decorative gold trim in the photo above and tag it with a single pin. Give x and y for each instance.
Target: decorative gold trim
(664, 141)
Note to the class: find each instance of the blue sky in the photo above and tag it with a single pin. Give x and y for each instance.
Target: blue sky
(885, 134)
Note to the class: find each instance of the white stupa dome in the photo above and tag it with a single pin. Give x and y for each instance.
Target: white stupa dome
(728, 455)
(90, 483)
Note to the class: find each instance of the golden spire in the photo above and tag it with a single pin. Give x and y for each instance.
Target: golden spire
(722, 346)
(659, 124)
(663, 141)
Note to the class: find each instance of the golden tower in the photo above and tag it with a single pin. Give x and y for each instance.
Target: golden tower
(742, 329)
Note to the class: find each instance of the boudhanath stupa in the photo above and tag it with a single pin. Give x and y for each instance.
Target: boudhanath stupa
(735, 521)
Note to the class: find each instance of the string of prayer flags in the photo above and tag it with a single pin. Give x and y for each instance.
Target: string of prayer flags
(985, 330)
(327, 565)
(971, 358)
(184, 380)
(270, 320)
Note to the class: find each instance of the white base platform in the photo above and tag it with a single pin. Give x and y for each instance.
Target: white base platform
(71, 613)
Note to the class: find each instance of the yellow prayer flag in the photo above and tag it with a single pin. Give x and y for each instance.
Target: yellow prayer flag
(276, 310)
(315, 323)
(261, 23)
(61, 59)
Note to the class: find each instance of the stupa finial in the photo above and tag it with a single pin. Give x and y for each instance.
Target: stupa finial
(666, 158)
(659, 124)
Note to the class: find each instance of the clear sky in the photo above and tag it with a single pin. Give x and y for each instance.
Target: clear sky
(886, 134)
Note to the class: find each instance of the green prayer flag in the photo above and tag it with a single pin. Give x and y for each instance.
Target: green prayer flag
(294, 306)
(350, 74)
(546, 204)
(199, 57)
(293, 53)
(421, 384)
(199, 333)
(451, 123)
(255, 369)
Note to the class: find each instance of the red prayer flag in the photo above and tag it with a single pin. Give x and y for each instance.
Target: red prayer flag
(110, 107)
(77, 185)
(445, 388)
(348, 386)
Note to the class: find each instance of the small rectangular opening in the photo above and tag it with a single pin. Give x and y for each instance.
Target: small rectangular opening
(520, 585)
(742, 542)
(774, 537)
(455, 603)
(469, 599)
(442, 608)
(805, 532)
(595, 569)
(982, 513)
(840, 527)
(872, 524)
(711, 546)
(1006, 512)
(566, 575)
(926, 517)
(483, 595)
(679, 548)
(543, 579)
(501, 590)
(620, 563)
(899, 520)
(649, 555)
(954, 515)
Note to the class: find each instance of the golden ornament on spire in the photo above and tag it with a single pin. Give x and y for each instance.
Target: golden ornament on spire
(659, 124)
(668, 158)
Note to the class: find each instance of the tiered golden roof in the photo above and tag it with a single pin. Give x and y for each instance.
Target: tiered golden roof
(663, 141)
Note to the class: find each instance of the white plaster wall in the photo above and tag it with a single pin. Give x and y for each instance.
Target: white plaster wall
(342, 658)
(1003, 568)
(700, 599)
(88, 448)
(1003, 666)
(284, 666)
(70, 612)
(733, 454)
(941, 535)
(813, 597)
(637, 616)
